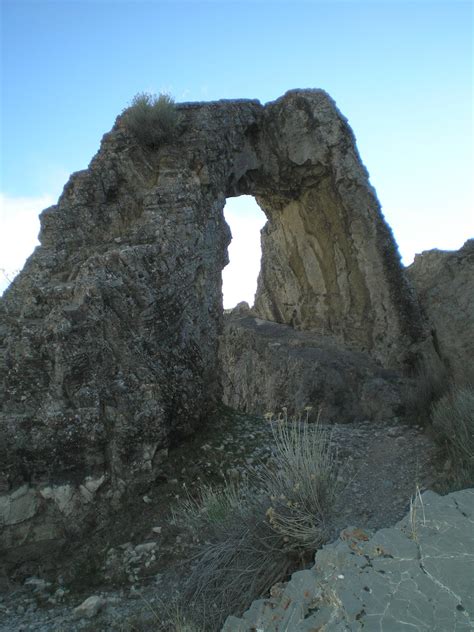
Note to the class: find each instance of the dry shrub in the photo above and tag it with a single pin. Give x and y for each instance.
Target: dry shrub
(152, 120)
(453, 426)
(431, 383)
(302, 487)
(173, 618)
(257, 533)
(241, 558)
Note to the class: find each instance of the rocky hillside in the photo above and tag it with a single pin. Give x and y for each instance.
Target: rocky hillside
(116, 358)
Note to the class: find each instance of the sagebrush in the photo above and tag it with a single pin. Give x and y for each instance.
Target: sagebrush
(253, 534)
(302, 487)
(152, 119)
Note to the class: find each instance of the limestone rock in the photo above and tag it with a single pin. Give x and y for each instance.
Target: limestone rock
(90, 607)
(444, 282)
(109, 335)
(266, 366)
(416, 575)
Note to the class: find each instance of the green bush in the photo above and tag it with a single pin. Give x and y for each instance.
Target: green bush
(255, 534)
(453, 425)
(152, 120)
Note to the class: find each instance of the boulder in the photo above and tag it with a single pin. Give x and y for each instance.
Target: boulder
(89, 608)
(267, 366)
(416, 575)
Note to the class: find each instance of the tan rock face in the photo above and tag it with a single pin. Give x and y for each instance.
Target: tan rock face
(109, 336)
(444, 282)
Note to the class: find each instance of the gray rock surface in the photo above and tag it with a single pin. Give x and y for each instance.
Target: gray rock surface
(444, 282)
(267, 366)
(418, 575)
(90, 607)
(109, 335)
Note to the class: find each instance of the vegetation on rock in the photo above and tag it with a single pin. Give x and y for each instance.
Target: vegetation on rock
(152, 119)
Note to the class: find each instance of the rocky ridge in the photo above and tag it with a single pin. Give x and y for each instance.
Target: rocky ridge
(267, 366)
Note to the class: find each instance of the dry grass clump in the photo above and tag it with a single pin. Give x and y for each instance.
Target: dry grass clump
(431, 383)
(152, 119)
(174, 619)
(302, 487)
(211, 507)
(253, 534)
(452, 420)
(241, 557)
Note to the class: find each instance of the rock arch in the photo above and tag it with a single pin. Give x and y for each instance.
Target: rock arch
(109, 335)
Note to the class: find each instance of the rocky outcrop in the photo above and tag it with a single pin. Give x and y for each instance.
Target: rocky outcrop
(109, 336)
(418, 575)
(267, 366)
(444, 282)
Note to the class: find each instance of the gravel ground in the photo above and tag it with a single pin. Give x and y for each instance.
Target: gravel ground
(136, 566)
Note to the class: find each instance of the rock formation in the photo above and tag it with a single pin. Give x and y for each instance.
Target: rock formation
(444, 282)
(267, 366)
(109, 336)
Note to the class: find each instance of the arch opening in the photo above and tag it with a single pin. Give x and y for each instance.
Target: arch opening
(239, 277)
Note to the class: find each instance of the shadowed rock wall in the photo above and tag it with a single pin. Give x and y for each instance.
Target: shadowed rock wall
(267, 366)
(444, 282)
(108, 337)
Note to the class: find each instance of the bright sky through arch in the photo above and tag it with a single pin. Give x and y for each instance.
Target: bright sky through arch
(401, 72)
(239, 277)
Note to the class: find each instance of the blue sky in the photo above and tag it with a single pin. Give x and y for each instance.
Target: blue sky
(400, 71)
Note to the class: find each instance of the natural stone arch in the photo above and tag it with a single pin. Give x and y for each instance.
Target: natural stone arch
(329, 261)
(109, 336)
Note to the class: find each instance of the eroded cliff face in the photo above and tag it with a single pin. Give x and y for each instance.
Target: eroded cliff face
(444, 282)
(109, 336)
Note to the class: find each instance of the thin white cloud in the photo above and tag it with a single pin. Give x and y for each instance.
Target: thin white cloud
(19, 228)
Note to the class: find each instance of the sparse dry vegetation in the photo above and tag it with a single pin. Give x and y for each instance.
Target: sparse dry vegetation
(253, 534)
(432, 381)
(445, 406)
(453, 425)
(152, 119)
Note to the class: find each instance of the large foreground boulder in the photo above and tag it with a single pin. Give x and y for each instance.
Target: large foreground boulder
(109, 335)
(418, 575)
